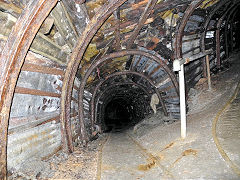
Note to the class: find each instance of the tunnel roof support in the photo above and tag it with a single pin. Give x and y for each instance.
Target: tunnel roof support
(76, 57)
(226, 30)
(93, 121)
(206, 23)
(119, 74)
(115, 55)
(11, 61)
(142, 20)
(218, 40)
(182, 102)
(178, 45)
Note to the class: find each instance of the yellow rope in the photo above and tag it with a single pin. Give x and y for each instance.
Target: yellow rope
(214, 134)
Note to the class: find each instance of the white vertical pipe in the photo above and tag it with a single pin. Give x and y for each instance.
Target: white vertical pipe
(182, 102)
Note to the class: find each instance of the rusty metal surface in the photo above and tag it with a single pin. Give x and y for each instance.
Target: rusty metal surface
(218, 34)
(226, 30)
(109, 87)
(178, 45)
(207, 21)
(205, 28)
(142, 20)
(115, 55)
(226, 27)
(11, 60)
(231, 30)
(97, 21)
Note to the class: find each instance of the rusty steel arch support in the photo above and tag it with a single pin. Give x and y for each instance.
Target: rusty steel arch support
(218, 41)
(11, 61)
(110, 87)
(178, 45)
(226, 30)
(205, 26)
(137, 74)
(111, 56)
(232, 33)
(117, 84)
(142, 20)
(115, 55)
(231, 14)
(74, 61)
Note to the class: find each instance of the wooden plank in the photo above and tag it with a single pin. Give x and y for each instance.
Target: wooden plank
(64, 25)
(46, 47)
(10, 7)
(7, 22)
(41, 44)
(22, 90)
(42, 69)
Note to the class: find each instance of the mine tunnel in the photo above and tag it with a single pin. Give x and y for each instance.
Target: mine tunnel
(99, 73)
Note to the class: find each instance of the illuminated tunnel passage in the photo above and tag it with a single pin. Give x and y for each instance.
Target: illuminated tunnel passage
(122, 107)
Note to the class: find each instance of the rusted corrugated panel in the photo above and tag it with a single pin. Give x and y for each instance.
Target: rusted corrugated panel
(39, 142)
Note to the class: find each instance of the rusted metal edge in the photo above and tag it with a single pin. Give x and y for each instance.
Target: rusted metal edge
(33, 124)
(205, 27)
(72, 66)
(11, 60)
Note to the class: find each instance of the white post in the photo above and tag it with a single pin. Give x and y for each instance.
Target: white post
(208, 73)
(182, 102)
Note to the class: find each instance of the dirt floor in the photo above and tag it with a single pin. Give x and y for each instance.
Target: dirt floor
(153, 148)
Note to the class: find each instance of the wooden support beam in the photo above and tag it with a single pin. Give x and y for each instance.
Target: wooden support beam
(41, 44)
(143, 18)
(64, 24)
(117, 29)
(10, 7)
(48, 48)
(42, 69)
(22, 90)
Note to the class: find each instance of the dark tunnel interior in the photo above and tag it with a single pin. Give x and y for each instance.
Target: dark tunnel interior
(123, 107)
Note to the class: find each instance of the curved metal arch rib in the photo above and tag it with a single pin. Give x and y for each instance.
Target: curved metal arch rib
(233, 12)
(115, 55)
(205, 26)
(117, 84)
(218, 45)
(11, 61)
(178, 45)
(76, 57)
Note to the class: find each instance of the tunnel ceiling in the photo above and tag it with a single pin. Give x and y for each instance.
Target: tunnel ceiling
(74, 56)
